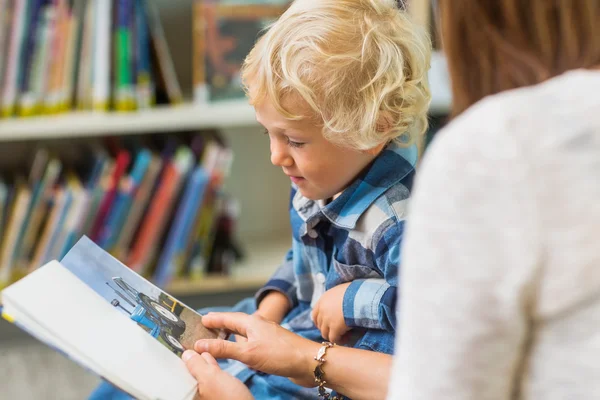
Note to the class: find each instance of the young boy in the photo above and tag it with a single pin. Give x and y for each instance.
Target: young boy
(340, 88)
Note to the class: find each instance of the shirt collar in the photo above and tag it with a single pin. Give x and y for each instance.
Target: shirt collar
(390, 167)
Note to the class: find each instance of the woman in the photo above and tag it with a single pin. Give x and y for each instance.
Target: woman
(500, 283)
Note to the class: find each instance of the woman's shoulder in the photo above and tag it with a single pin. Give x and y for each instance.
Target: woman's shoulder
(531, 114)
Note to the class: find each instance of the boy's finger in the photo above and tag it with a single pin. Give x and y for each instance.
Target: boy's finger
(325, 332)
(334, 336)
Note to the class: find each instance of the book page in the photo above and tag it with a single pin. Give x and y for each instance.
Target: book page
(80, 323)
(169, 321)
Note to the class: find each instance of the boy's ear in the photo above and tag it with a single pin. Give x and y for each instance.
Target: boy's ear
(375, 150)
(384, 122)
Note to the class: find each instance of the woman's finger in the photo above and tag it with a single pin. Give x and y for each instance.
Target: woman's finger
(210, 359)
(233, 322)
(240, 339)
(194, 363)
(222, 349)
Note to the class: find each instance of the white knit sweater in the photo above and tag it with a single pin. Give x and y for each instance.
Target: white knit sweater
(500, 281)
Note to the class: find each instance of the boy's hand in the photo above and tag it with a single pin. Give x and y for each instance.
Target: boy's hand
(328, 314)
(274, 307)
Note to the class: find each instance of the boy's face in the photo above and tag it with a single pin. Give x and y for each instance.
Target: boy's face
(320, 169)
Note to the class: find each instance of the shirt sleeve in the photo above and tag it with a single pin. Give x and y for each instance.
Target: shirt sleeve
(371, 303)
(471, 251)
(283, 281)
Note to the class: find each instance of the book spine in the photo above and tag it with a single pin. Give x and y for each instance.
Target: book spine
(124, 99)
(102, 55)
(144, 89)
(30, 101)
(33, 40)
(199, 53)
(14, 59)
(56, 59)
(5, 24)
(165, 61)
(85, 62)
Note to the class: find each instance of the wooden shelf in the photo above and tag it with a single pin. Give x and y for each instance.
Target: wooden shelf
(236, 113)
(262, 259)
(160, 119)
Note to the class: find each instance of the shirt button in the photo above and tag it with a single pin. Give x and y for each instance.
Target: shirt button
(313, 234)
(320, 278)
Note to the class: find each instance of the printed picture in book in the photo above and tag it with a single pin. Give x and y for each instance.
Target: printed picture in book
(172, 323)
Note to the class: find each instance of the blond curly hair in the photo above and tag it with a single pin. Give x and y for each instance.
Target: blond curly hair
(360, 65)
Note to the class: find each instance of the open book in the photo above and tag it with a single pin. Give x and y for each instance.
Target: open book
(110, 320)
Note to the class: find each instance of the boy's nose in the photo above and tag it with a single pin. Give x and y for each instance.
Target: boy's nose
(279, 157)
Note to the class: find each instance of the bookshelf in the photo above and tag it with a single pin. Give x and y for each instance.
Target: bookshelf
(186, 116)
(263, 256)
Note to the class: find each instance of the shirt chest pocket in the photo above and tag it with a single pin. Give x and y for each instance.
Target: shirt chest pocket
(343, 273)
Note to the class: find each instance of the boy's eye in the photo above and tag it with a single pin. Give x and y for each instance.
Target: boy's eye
(294, 144)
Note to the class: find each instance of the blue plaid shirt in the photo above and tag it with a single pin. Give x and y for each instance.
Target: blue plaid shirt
(355, 238)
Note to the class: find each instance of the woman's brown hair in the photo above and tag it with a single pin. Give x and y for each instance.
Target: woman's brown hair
(497, 45)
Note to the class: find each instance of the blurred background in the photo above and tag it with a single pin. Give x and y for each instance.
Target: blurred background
(97, 98)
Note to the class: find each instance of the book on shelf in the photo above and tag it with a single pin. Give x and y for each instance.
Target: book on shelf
(61, 55)
(157, 204)
(110, 320)
(224, 32)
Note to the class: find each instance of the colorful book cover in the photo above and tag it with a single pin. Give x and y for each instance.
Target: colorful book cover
(224, 33)
(140, 203)
(127, 191)
(155, 220)
(121, 164)
(174, 248)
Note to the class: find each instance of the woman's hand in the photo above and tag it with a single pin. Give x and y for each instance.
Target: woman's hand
(213, 383)
(273, 308)
(270, 348)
